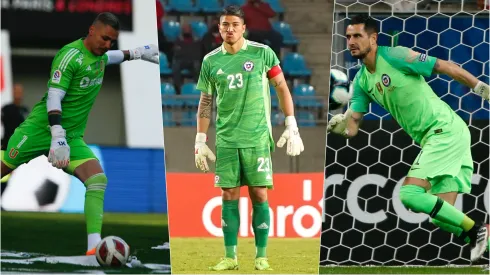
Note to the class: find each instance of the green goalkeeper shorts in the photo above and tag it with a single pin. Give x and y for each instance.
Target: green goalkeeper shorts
(445, 160)
(236, 167)
(30, 142)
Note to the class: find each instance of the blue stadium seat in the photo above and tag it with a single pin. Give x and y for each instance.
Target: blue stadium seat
(304, 96)
(191, 94)
(284, 29)
(189, 118)
(171, 30)
(306, 119)
(199, 28)
(164, 66)
(168, 119)
(168, 93)
(294, 65)
(234, 2)
(275, 5)
(183, 6)
(274, 100)
(209, 6)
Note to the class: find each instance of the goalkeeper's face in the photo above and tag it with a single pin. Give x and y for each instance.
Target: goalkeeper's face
(359, 41)
(231, 28)
(102, 38)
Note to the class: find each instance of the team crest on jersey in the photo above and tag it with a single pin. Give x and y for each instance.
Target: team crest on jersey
(99, 66)
(386, 80)
(380, 89)
(248, 66)
(56, 76)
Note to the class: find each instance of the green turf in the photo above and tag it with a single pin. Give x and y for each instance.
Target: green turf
(286, 256)
(402, 270)
(60, 234)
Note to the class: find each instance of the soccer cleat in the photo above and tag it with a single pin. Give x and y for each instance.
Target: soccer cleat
(91, 252)
(225, 264)
(262, 264)
(479, 244)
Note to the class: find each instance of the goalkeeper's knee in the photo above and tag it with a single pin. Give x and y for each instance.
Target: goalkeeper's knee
(412, 196)
(97, 182)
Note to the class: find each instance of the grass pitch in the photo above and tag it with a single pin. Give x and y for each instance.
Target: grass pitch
(33, 235)
(286, 256)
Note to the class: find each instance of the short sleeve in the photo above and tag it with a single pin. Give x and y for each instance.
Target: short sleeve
(409, 61)
(270, 58)
(359, 102)
(204, 83)
(63, 69)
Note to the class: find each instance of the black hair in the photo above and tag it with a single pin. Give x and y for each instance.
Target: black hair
(233, 10)
(370, 25)
(109, 19)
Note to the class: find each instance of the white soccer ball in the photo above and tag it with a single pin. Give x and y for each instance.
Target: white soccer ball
(340, 90)
(112, 251)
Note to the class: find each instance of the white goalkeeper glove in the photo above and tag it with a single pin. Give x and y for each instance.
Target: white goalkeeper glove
(59, 152)
(202, 152)
(291, 136)
(338, 124)
(148, 53)
(482, 89)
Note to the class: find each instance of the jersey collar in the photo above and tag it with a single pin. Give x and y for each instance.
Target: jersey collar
(244, 46)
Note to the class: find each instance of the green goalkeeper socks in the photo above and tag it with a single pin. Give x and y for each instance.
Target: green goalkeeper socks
(230, 223)
(94, 202)
(456, 230)
(261, 223)
(415, 198)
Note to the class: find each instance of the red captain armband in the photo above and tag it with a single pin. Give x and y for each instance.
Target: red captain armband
(274, 71)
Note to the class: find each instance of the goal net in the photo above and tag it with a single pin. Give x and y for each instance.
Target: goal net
(364, 220)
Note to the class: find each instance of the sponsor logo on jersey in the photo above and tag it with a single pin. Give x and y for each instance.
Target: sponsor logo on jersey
(80, 59)
(87, 82)
(56, 76)
(248, 66)
(380, 89)
(386, 80)
(422, 57)
(88, 68)
(220, 71)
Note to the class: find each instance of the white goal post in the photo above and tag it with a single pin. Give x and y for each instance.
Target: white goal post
(364, 221)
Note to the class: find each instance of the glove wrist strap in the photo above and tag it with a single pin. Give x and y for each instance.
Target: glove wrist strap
(481, 89)
(57, 131)
(290, 121)
(201, 138)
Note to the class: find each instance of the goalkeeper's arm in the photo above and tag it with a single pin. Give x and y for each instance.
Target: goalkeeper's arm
(147, 53)
(346, 125)
(276, 77)
(462, 76)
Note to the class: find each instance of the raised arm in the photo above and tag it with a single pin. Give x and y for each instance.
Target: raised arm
(148, 53)
(462, 76)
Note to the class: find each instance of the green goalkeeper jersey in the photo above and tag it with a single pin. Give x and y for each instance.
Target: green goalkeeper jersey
(399, 87)
(79, 73)
(242, 94)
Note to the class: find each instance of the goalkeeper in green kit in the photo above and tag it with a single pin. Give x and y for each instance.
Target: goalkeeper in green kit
(238, 73)
(56, 125)
(393, 78)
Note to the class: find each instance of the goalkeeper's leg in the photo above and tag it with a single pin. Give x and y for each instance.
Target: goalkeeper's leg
(414, 196)
(260, 224)
(91, 174)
